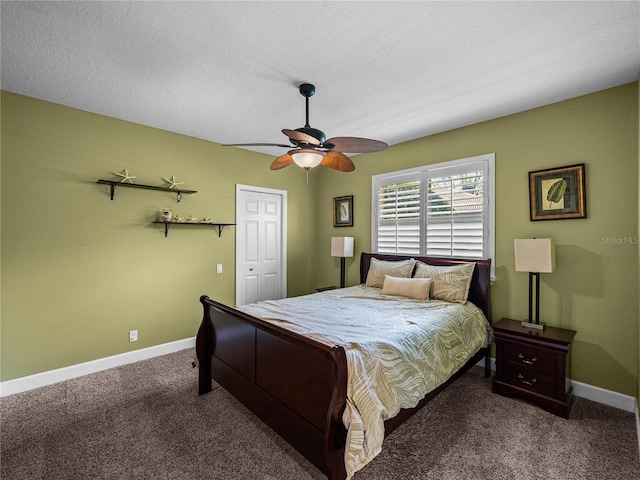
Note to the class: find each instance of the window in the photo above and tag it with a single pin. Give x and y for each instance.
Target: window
(440, 210)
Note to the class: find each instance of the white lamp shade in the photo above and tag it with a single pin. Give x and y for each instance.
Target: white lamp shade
(342, 246)
(307, 158)
(536, 255)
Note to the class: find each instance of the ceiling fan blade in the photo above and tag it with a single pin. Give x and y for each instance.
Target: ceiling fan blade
(300, 137)
(355, 144)
(281, 162)
(256, 145)
(338, 161)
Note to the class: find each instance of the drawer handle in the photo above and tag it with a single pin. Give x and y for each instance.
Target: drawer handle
(531, 383)
(528, 362)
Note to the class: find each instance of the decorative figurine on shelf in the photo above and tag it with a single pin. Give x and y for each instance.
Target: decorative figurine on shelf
(125, 176)
(192, 219)
(207, 220)
(172, 182)
(166, 215)
(178, 219)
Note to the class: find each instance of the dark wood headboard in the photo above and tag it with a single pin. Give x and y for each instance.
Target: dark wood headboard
(479, 291)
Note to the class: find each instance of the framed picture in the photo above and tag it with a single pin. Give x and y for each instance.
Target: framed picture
(343, 211)
(557, 193)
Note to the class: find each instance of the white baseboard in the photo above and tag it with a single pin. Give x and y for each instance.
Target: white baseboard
(492, 361)
(22, 384)
(607, 397)
(596, 394)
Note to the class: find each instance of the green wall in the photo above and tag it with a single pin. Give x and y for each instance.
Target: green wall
(79, 271)
(638, 234)
(595, 287)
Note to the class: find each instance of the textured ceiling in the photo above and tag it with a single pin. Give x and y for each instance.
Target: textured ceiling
(394, 71)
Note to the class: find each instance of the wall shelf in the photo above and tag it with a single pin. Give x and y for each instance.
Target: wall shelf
(217, 224)
(116, 183)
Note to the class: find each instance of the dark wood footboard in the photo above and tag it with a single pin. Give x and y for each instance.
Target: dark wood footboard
(295, 385)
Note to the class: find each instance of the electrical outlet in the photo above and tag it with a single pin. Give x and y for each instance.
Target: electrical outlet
(219, 268)
(133, 336)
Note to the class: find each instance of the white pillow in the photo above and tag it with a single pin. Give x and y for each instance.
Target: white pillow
(379, 268)
(416, 288)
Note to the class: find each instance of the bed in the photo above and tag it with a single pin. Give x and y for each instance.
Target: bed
(298, 383)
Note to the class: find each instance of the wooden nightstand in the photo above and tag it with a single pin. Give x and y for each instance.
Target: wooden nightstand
(534, 365)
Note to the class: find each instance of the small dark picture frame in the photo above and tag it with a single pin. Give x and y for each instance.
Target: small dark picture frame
(557, 193)
(343, 211)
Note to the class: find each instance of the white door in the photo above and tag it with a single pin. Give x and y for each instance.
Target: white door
(260, 244)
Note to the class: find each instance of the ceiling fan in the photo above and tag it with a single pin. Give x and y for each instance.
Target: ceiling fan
(312, 148)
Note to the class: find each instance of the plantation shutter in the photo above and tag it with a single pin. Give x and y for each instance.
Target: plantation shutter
(439, 210)
(398, 215)
(455, 209)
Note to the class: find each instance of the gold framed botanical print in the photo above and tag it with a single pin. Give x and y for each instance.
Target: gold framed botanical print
(557, 193)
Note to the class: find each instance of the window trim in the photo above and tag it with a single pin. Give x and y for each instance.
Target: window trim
(425, 171)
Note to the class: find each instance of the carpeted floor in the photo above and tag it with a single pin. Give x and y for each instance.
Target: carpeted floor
(146, 421)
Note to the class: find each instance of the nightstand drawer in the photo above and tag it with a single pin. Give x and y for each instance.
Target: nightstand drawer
(537, 382)
(535, 359)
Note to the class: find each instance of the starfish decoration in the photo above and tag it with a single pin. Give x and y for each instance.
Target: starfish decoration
(172, 182)
(125, 176)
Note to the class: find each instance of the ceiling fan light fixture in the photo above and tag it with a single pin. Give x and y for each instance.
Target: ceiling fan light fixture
(307, 158)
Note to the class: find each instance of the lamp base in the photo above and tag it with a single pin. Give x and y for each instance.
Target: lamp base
(534, 326)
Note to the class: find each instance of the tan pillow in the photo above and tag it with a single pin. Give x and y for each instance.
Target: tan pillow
(416, 288)
(379, 268)
(450, 284)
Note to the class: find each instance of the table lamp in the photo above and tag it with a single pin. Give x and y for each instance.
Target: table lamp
(342, 247)
(536, 256)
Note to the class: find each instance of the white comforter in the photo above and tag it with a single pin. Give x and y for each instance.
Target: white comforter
(397, 350)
